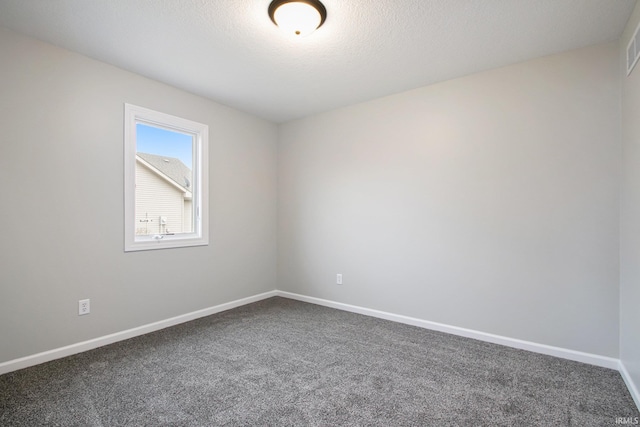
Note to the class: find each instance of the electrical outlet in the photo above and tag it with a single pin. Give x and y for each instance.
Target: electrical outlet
(339, 279)
(84, 307)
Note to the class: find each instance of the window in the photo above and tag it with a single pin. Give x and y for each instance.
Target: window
(165, 178)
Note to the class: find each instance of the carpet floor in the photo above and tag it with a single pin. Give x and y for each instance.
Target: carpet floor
(280, 362)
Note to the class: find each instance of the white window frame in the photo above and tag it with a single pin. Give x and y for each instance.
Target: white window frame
(200, 236)
(633, 50)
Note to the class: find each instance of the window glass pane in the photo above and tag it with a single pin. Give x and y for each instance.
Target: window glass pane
(166, 176)
(164, 181)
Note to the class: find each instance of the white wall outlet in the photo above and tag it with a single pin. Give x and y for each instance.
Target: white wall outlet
(84, 307)
(339, 279)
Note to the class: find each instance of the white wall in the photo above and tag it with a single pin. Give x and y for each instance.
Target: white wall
(630, 214)
(61, 173)
(488, 202)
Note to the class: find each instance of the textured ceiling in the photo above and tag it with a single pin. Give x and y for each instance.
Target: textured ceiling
(230, 51)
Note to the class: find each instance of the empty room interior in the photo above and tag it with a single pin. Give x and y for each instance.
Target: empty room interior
(419, 212)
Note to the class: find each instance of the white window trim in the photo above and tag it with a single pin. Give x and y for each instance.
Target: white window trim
(200, 236)
(633, 50)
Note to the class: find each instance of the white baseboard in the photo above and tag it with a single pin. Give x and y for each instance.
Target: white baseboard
(578, 356)
(633, 389)
(603, 361)
(46, 356)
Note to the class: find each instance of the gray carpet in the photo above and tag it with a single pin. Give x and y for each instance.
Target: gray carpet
(280, 362)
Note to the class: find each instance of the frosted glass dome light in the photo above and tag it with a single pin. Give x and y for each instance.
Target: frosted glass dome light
(297, 17)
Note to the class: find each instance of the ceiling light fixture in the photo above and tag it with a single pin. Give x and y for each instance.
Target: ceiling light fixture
(297, 17)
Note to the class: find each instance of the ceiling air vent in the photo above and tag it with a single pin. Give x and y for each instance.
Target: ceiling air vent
(633, 50)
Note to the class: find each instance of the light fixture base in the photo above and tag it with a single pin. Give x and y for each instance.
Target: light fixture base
(315, 4)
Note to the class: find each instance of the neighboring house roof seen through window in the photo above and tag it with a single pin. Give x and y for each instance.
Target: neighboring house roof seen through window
(172, 168)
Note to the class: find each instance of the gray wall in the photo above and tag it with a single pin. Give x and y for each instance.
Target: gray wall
(630, 212)
(488, 202)
(61, 203)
